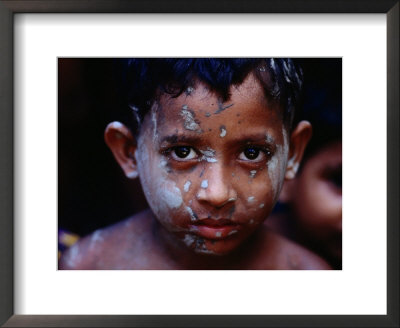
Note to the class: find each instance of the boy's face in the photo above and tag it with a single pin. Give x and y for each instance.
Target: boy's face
(212, 171)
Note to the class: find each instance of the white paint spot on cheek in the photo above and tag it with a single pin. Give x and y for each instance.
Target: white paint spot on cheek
(223, 131)
(172, 197)
(250, 199)
(253, 173)
(261, 205)
(232, 232)
(218, 234)
(186, 186)
(204, 184)
(251, 221)
(191, 213)
(163, 163)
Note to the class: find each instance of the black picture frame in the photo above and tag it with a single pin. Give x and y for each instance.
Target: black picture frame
(10, 7)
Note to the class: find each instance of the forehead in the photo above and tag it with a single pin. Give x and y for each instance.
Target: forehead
(199, 110)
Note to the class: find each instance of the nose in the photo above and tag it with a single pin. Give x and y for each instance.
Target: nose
(215, 189)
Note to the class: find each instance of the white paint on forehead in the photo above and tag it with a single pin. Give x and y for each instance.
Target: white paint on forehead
(204, 184)
(186, 186)
(189, 121)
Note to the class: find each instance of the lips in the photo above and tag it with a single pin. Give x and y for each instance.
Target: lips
(215, 229)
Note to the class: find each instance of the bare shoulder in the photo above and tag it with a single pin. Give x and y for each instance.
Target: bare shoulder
(105, 248)
(284, 254)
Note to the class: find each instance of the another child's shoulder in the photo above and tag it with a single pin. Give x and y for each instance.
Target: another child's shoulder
(284, 254)
(106, 247)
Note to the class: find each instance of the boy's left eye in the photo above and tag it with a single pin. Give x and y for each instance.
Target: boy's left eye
(180, 153)
(254, 154)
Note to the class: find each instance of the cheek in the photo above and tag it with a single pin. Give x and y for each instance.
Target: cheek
(162, 194)
(276, 168)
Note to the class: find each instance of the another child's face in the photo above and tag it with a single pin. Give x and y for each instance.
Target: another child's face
(317, 198)
(212, 171)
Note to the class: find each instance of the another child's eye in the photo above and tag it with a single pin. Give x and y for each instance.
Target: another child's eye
(183, 153)
(252, 153)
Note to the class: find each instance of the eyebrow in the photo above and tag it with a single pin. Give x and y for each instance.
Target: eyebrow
(179, 138)
(256, 137)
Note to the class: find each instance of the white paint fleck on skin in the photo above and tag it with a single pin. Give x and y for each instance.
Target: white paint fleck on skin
(154, 120)
(189, 121)
(186, 186)
(209, 152)
(232, 232)
(74, 256)
(204, 184)
(132, 174)
(261, 205)
(163, 163)
(253, 173)
(218, 234)
(117, 125)
(223, 131)
(189, 240)
(189, 90)
(208, 155)
(251, 199)
(191, 213)
(97, 237)
(172, 197)
(251, 221)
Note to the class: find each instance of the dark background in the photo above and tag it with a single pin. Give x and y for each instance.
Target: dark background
(92, 189)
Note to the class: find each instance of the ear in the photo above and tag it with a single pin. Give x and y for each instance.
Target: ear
(123, 146)
(298, 142)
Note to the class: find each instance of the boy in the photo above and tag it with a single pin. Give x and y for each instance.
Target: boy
(213, 141)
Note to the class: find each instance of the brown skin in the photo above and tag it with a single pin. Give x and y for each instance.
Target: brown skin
(211, 173)
(136, 244)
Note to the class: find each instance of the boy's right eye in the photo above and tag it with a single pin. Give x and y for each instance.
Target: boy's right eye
(181, 153)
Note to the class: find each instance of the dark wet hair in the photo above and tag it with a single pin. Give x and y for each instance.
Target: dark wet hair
(145, 79)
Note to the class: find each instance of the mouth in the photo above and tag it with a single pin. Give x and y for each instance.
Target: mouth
(215, 229)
